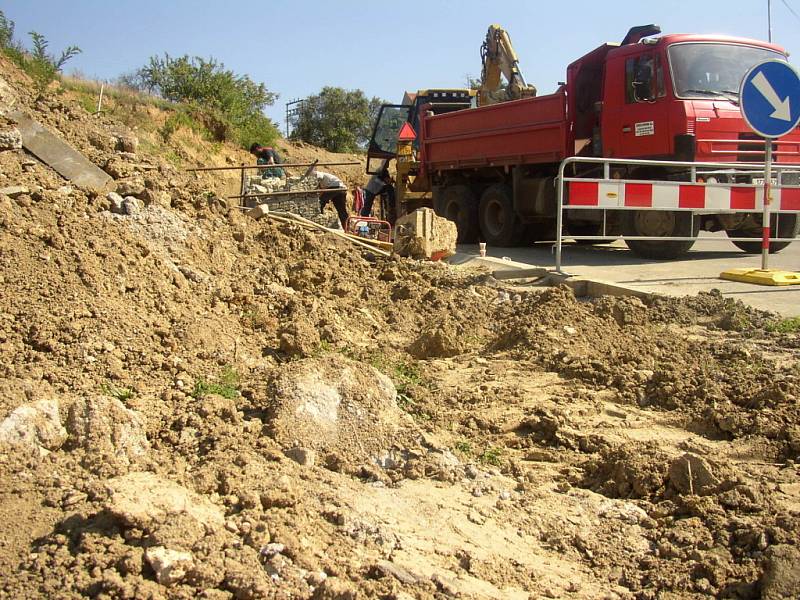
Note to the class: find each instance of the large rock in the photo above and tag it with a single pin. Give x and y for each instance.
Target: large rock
(333, 405)
(152, 503)
(424, 234)
(35, 426)
(103, 425)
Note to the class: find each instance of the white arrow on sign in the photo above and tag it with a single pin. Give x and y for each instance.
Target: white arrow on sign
(782, 110)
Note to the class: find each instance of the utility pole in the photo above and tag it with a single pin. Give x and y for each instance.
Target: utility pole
(292, 109)
(769, 21)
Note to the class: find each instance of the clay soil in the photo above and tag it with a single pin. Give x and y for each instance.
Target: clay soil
(245, 409)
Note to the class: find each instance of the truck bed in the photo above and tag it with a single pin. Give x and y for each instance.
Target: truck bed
(527, 131)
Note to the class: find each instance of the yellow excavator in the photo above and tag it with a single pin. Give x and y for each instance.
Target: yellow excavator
(500, 59)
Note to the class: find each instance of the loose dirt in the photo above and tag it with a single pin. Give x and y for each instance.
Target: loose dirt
(196, 404)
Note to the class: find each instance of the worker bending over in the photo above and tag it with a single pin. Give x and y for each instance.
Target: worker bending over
(337, 194)
(379, 185)
(267, 156)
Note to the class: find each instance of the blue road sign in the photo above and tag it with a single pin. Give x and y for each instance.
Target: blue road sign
(770, 98)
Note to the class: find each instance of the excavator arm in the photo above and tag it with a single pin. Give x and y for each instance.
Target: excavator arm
(500, 59)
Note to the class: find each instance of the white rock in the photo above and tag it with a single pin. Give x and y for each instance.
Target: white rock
(170, 566)
(116, 202)
(105, 425)
(36, 426)
(131, 206)
(147, 501)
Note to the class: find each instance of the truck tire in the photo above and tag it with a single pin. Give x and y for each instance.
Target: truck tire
(499, 223)
(751, 227)
(457, 203)
(659, 223)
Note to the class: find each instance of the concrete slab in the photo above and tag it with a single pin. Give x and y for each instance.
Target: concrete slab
(59, 155)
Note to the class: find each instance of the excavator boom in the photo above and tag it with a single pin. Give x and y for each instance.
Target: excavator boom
(500, 59)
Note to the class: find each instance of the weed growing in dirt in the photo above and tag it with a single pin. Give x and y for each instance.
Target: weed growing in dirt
(464, 447)
(791, 325)
(226, 386)
(491, 456)
(121, 394)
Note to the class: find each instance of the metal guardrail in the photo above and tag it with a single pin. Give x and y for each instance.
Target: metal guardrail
(694, 170)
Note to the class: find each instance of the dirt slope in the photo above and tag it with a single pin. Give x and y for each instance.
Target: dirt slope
(195, 404)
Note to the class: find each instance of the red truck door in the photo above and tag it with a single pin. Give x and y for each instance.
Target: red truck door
(635, 119)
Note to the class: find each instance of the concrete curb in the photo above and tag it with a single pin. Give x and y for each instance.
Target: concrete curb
(582, 286)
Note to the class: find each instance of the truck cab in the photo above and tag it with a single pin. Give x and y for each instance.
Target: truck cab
(673, 97)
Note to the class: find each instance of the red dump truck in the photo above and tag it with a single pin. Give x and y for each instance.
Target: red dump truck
(493, 169)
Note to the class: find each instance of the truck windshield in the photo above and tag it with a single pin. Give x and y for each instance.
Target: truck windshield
(707, 70)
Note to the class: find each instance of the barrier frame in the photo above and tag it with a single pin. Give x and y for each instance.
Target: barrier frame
(695, 169)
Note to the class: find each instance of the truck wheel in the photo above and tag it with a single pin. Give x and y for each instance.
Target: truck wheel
(789, 226)
(457, 203)
(499, 223)
(659, 223)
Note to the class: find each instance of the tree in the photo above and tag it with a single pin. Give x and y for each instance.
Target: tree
(336, 119)
(230, 106)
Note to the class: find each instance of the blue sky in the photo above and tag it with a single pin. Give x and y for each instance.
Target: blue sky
(297, 47)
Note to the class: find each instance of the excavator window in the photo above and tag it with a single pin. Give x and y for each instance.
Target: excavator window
(383, 144)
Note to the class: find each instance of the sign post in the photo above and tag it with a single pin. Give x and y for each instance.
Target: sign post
(769, 98)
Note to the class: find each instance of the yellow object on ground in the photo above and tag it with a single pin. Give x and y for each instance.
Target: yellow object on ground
(760, 277)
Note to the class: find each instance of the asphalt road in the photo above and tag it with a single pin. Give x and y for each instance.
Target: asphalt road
(697, 271)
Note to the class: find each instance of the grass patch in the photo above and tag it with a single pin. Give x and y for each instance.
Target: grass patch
(121, 394)
(492, 456)
(791, 325)
(464, 447)
(226, 385)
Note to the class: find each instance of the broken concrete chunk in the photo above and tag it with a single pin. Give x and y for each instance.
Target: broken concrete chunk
(35, 426)
(424, 234)
(62, 157)
(170, 566)
(104, 425)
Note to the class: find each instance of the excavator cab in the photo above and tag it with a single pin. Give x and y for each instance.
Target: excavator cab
(383, 143)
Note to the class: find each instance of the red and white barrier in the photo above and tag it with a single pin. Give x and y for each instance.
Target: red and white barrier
(677, 195)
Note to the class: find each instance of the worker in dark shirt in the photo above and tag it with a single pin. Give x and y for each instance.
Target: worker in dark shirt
(379, 185)
(267, 156)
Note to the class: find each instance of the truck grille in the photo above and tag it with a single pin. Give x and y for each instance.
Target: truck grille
(750, 148)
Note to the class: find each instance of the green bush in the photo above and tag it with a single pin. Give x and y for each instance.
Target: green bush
(229, 106)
